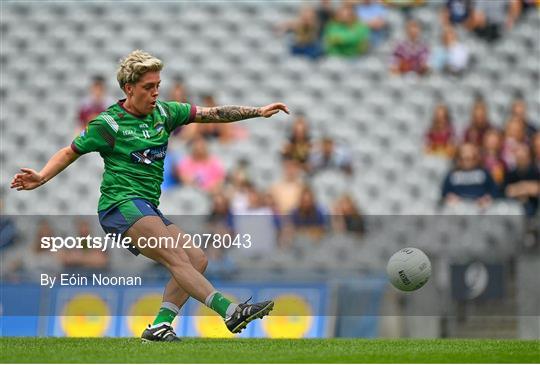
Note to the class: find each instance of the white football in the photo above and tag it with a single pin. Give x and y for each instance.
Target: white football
(408, 269)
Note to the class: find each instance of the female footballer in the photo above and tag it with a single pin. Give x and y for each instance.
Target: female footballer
(131, 136)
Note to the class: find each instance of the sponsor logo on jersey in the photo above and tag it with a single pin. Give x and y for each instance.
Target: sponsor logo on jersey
(143, 125)
(128, 132)
(149, 155)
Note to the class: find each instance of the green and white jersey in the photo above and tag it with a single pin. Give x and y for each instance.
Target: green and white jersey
(133, 149)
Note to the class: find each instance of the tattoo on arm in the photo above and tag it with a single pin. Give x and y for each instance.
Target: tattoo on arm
(226, 114)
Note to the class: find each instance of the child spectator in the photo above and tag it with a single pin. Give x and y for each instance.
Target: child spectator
(479, 123)
(298, 147)
(329, 156)
(411, 54)
(519, 110)
(514, 135)
(451, 56)
(221, 218)
(440, 136)
(491, 155)
(347, 217)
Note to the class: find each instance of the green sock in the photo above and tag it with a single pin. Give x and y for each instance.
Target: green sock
(221, 305)
(167, 313)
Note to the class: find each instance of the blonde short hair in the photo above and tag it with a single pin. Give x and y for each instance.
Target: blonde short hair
(136, 64)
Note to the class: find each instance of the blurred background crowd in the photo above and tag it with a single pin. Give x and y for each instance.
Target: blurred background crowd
(407, 116)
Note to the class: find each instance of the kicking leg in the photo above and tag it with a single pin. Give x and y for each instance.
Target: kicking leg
(191, 280)
(174, 297)
(173, 292)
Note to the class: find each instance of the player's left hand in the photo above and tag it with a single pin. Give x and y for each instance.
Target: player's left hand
(271, 109)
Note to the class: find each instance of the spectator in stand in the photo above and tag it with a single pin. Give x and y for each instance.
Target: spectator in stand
(237, 185)
(347, 217)
(374, 14)
(467, 180)
(522, 181)
(32, 260)
(96, 102)
(345, 36)
(223, 132)
(411, 54)
(308, 218)
(208, 131)
(456, 12)
(170, 175)
(286, 192)
(178, 91)
(306, 32)
(258, 220)
(221, 218)
(451, 56)
(87, 258)
(220, 222)
(519, 110)
(440, 136)
(479, 123)
(514, 136)
(491, 18)
(492, 156)
(200, 169)
(298, 147)
(536, 149)
(329, 156)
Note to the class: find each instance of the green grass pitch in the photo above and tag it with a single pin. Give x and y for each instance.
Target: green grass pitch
(193, 350)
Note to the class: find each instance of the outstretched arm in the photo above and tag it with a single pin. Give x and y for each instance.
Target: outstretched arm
(234, 113)
(30, 179)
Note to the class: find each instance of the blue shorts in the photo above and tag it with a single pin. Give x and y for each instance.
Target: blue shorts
(119, 218)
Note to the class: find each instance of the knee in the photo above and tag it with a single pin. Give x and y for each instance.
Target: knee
(173, 258)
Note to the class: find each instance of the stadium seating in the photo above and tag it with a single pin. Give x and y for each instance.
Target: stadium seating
(231, 50)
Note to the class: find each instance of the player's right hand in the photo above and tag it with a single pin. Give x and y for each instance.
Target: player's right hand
(28, 179)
